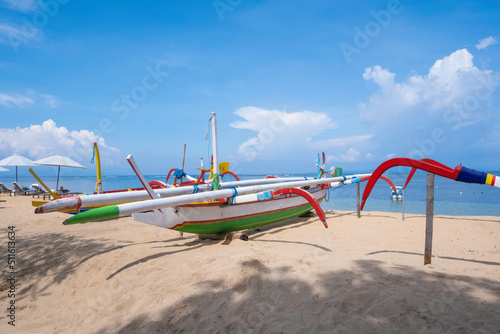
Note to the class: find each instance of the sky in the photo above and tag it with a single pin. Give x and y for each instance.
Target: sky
(362, 81)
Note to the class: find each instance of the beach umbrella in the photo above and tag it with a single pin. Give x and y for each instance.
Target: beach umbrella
(3, 169)
(16, 160)
(59, 160)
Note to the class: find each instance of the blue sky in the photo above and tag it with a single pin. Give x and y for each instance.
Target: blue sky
(363, 81)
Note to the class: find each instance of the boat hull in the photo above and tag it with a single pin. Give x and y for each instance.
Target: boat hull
(213, 218)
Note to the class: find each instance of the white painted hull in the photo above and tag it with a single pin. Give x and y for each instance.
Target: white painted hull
(212, 216)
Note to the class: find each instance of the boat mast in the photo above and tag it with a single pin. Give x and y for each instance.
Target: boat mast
(215, 153)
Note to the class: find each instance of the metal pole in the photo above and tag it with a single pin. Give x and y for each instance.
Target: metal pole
(403, 213)
(429, 217)
(182, 169)
(57, 184)
(358, 207)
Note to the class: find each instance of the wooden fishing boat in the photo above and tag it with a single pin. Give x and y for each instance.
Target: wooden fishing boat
(217, 206)
(222, 216)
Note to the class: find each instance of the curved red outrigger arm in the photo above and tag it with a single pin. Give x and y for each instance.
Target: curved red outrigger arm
(414, 169)
(383, 177)
(460, 173)
(310, 198)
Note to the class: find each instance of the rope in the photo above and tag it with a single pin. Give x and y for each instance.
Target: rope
(93, 157)
(231, 199)
(179, 173)
(208, 126)
(207, 137)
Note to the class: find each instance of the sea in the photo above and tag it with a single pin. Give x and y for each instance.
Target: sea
(450, 197)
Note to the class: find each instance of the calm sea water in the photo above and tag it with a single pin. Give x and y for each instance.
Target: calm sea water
(451, 197)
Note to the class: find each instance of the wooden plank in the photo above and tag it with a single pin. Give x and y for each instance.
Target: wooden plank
(429, 219)
(358, 207)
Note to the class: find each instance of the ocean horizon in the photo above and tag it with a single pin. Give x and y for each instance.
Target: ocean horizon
(450, 197)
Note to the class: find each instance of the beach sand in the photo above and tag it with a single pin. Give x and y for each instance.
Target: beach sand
(361, 275)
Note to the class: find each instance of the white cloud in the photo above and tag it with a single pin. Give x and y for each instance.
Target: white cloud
(339, 142)
(29, 99)
(7, 32)
(257, 119)
(351, 155)
(20, 34)
(452, 98)
(6, 29)
(15, 100)
(370, 156)
(25, 6)
(447, 85)
(279, 131)
(391, 155)
(485, 42)
(41, 141)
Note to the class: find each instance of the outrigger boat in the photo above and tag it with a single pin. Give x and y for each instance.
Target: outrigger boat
(213, 206)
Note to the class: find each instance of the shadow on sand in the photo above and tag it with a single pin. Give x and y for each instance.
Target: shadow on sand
(367, 299)
(57, 256)
(490, 263)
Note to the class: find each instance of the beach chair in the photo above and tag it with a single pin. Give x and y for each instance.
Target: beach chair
(19, 190)
(64, 192)
(39, 189)
(4, 189)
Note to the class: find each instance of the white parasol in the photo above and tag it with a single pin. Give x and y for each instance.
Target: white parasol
(59, 160)
(16, 160)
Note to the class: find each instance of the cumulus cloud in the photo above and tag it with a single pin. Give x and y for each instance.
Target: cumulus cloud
(485, 42)
(28, 99)
(452, 97)
(41, 141)
(279, 131)
(448, 84)
(351, 155)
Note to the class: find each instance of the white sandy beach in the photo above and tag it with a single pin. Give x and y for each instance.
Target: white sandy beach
(361, 275)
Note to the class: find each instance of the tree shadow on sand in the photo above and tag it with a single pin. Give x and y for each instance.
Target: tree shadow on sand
(370, 298)
(56, 256)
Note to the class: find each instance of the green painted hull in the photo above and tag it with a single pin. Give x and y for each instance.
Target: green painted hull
(243, 223)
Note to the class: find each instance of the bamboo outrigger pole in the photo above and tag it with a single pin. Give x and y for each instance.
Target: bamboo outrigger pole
(98, 186)
(215, 152)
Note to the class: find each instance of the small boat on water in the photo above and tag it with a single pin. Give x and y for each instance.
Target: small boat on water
(397, 194)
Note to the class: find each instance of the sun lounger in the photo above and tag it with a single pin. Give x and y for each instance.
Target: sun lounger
(39, 189)
(4, 189)
(19, 190)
